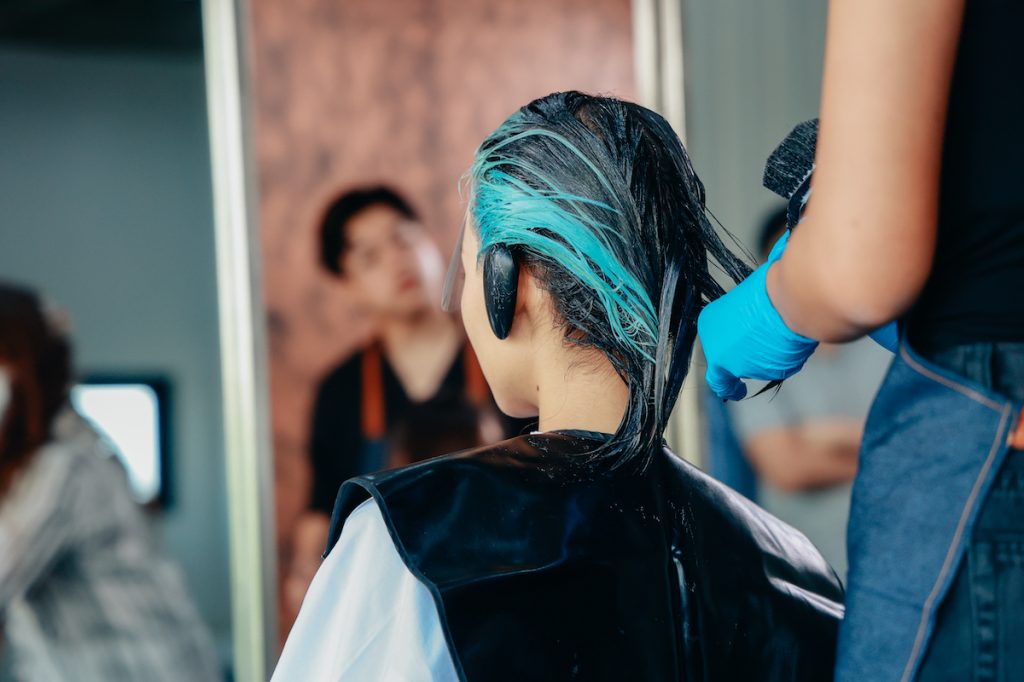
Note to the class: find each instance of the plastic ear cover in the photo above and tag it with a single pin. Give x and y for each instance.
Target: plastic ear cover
(501, 286)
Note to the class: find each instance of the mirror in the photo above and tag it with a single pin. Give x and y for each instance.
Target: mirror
(358, 94)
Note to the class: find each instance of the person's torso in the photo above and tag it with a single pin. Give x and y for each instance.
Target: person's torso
(974, 291)
(369, 399)
(543, 567)
(107, 606)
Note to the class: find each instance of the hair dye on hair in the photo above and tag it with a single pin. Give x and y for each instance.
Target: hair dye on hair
(599, 199)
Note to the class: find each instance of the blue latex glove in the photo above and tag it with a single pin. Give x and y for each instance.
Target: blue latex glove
(744, 337)
(888, 337)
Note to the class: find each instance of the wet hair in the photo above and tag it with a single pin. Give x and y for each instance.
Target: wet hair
(37, 359)
(341, 210)
(772, 224)
(598, 198)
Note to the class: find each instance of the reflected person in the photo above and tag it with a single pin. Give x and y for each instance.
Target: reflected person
(373, 243)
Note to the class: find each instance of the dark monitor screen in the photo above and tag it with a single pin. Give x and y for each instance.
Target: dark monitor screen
(132, 412)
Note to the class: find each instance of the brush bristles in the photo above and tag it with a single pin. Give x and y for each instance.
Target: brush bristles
(792, 161)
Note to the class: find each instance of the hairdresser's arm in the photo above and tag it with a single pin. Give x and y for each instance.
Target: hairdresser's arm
(864, 250)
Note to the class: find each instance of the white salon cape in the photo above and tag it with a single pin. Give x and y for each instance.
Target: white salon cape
(365, 616)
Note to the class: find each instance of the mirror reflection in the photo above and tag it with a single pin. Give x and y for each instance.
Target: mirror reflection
(366, 119)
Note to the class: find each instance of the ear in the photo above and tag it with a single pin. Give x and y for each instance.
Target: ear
(533, 297)
(501, 288)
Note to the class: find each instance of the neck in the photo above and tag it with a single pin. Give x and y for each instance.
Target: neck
(579, 389)
(425, 323)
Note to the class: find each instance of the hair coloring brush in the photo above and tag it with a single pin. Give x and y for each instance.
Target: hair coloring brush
(789, 169)
(787, 172)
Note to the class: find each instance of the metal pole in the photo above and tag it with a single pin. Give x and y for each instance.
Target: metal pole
(658, 40)
(242, 349)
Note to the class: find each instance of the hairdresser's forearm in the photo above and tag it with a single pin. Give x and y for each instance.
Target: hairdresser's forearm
(833, 290)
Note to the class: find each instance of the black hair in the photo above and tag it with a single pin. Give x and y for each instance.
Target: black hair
(772, 224)
(599, 199)
(340, 211)
(37, 357)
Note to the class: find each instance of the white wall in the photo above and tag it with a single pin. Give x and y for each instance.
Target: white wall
(753, 71)
(105, 204)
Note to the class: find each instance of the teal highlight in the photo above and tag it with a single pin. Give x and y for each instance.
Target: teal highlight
(516, 203)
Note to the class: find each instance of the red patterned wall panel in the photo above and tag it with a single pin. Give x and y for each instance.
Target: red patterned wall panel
(400, 91)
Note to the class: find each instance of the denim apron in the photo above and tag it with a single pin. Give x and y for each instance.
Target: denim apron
(933, 444)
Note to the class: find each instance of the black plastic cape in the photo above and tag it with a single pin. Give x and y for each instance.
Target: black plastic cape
(544, 569)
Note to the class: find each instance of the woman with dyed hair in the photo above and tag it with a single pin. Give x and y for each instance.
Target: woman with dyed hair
(586, 550)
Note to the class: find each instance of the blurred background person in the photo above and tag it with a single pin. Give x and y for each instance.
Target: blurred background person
(371, 239)
(723, 453)
(107, 106)
(803, 441)
(84, 595)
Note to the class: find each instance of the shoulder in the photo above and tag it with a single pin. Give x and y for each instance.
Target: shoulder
(69, 476)
(711, 499)
(480, 492)
(49, 469)
(500, 490)
(725, 529)
(77, 448)
(364, 541)
(364, 558)
(365, 616)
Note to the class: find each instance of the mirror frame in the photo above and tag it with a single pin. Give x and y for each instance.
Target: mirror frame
(661, 86)
(245, 393)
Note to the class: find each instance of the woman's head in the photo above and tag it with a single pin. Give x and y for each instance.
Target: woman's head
(371, 238)
(597, 202)
(35, 370)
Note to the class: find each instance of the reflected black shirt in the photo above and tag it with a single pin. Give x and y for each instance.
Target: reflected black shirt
(337, 440)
